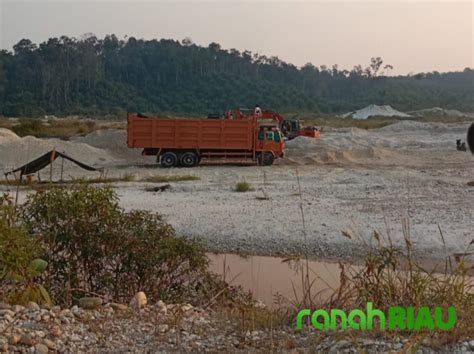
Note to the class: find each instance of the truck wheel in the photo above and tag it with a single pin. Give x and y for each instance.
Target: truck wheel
(189, 159)
(265, 159)
(169, 159)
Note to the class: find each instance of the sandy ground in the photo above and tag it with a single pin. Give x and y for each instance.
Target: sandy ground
(351, 180)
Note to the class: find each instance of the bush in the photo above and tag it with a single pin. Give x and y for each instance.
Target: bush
(243, 187)
(94, 246)
(19, 262)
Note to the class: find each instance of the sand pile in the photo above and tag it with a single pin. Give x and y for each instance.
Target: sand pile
(396, 144)
(16, 151)
(375, 111)
(113, 141)
(354, 145)
(439, 112)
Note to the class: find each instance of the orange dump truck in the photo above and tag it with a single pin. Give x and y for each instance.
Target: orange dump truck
(185, 142)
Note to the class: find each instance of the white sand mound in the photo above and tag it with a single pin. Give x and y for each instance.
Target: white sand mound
(114, 141)
(16, 151)
(354, 145)
(101, 148)
(374, 111)
(7, 136)
(440, 112)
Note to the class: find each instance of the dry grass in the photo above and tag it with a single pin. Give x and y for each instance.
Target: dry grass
(44, 185)
(57, 128)
(382, 281)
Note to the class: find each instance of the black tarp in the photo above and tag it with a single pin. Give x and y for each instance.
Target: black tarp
(43, 161)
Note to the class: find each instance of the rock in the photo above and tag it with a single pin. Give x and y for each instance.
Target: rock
(5, 306)
(162, 328)
(186, 308)
(18, 308)
(118, 307)
(75, 310)
(14, 339)
(49, 343)
(90, 303)
(56, 331)
(41, 349)
(27, 339)
(6, 312)
(139, 300)
(32, 306)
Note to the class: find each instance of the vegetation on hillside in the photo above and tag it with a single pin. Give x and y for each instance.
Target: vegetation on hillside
(95, 76)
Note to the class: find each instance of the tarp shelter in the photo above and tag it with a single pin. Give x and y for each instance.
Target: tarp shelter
(45, 160)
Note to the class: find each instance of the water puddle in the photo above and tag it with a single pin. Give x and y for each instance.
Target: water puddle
(266, 277)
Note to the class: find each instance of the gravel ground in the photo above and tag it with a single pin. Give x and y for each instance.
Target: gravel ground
(351, 180)
(118, 328)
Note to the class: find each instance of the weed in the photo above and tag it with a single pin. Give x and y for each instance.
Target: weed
(242, 187)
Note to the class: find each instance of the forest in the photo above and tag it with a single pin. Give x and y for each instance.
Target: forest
(91, 76)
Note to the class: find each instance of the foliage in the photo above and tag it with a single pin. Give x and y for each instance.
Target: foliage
(242, 187)
(95, 76)
(94, 246)
(53, 128)
(20, 266)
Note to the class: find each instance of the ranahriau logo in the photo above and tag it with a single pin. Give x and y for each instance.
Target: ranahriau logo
(397, 318)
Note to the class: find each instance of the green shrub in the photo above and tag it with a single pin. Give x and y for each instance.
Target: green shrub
(242, 187)
(20, 266)
(95, 246)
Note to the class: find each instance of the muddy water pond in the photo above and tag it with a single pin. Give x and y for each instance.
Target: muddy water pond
(265, 277)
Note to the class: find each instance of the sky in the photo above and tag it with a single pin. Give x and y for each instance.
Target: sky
(413, 36)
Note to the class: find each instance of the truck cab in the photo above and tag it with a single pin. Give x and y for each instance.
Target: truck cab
(270, 144)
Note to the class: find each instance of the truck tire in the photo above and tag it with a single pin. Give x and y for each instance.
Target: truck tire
(169, 159)
(189, 159)
(265, 159)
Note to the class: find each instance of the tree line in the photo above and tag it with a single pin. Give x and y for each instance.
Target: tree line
(93, 76)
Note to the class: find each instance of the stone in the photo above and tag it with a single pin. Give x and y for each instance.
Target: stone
(32, 306)
(27, 339)
(7, 312)
(75, 310)
(56, 331)
(41, 349)
(5, 306)
(139, 300)
(162, 328)
(90, 303)
(14, 339)
(18, 308)
(118, 307)
(49, 343)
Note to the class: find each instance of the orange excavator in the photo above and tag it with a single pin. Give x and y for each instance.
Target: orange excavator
(291, 128)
